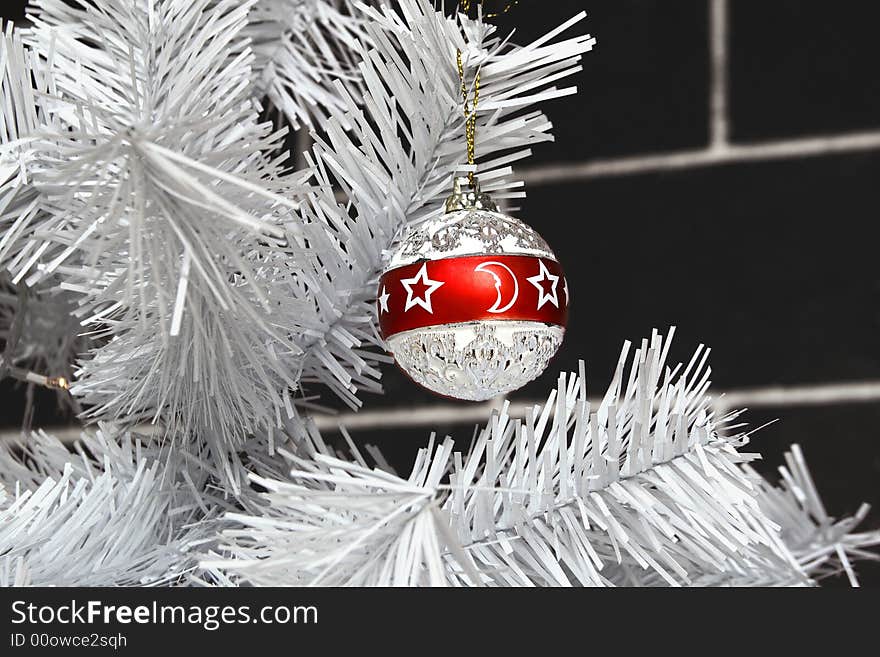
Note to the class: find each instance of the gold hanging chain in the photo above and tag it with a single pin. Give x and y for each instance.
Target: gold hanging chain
(470, 112)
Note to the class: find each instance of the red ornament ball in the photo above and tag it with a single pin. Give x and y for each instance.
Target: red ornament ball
(473, 303)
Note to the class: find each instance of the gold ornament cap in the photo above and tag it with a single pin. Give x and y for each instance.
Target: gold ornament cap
(470, 200)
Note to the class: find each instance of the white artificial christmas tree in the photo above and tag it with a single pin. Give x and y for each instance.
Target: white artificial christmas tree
(204, 287)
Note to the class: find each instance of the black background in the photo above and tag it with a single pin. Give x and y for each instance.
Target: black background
(772, 264)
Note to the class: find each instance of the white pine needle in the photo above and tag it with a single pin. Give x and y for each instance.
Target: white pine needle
(138, 173)
(643, 490)
(302, 48)
(117, 512)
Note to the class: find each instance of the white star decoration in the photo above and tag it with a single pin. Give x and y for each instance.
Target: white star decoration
(383, 301)
(431, 286)
(537, 279)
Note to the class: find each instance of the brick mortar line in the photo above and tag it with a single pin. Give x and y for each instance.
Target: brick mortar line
(444, 414)
(815, 146)
(719, 117)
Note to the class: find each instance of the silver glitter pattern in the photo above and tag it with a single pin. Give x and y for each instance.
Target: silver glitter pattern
(469, 232)
(487, 364)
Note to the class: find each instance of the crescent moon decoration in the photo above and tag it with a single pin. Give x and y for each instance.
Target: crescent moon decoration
(496, 307)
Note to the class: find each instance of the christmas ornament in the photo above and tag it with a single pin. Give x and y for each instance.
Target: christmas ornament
(473, 303)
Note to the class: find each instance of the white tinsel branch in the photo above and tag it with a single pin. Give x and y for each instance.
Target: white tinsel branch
(119, 511)
(143, 179)
(823, 545)
(642, 490)
(303, 48)
(20, 206)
